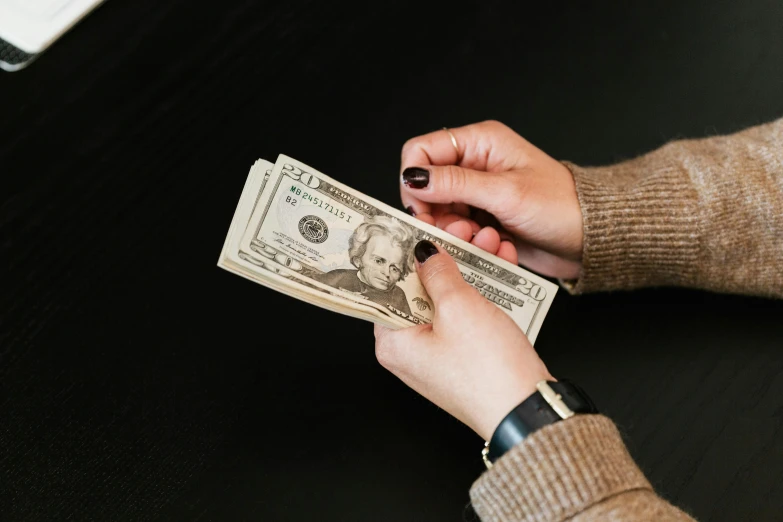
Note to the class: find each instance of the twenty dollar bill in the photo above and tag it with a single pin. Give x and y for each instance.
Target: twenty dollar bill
(303, 233)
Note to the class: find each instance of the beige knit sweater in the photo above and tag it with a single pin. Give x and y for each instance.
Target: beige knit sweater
(704, 213)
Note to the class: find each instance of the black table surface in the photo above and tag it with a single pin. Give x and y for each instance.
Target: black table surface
(138, 381)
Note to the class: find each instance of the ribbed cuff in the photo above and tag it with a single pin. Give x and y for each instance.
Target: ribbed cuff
(640, 226)
(557, 472)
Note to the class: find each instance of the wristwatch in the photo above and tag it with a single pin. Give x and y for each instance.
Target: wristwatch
(552, 402)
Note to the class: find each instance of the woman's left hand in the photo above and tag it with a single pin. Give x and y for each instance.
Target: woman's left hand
(473, 360)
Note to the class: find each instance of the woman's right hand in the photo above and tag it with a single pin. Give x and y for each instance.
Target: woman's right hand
(531, 195)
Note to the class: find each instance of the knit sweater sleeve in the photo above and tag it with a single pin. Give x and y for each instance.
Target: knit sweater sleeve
(704, 213)
(577, 470)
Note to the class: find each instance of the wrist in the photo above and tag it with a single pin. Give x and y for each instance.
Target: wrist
(494, 409)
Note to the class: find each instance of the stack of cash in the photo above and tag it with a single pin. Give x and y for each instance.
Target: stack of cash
(302, 233)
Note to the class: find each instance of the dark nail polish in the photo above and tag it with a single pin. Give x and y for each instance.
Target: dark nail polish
(424, 250)
(416, 177)
(410, 211)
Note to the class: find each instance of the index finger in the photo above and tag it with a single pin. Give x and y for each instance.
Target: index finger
(488, 146)
(435, 148)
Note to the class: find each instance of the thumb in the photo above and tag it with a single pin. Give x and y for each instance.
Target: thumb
(453, 184)
(438, 273)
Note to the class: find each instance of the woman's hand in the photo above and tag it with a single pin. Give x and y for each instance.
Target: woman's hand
(531, 195)
(473, 360)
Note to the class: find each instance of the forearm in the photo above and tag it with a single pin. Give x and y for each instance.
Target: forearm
(702, 213)
(577, 469)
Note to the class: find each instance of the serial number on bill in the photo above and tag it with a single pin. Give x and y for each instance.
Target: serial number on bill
(316, 201)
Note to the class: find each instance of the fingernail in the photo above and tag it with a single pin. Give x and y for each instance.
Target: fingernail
(416, 177)
(411, 211)
(424, 250)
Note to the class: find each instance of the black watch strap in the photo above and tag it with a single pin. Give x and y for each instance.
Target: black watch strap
(552, 402)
